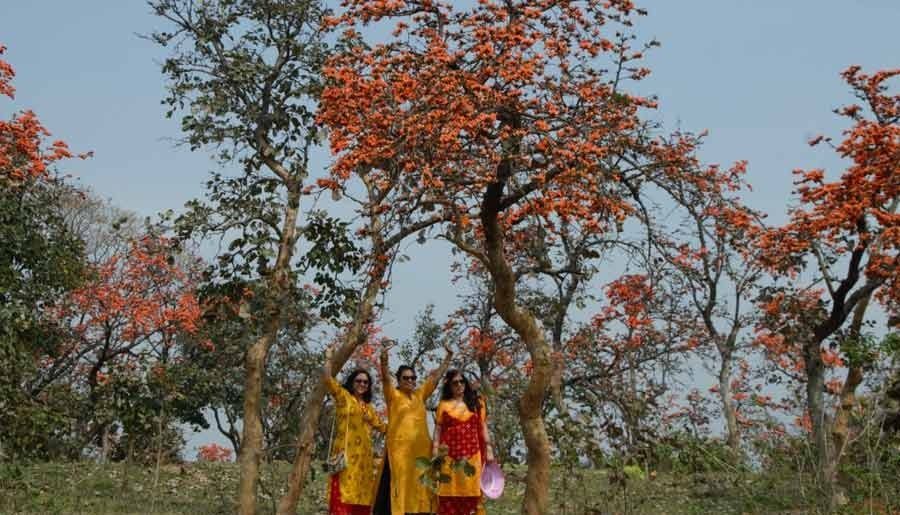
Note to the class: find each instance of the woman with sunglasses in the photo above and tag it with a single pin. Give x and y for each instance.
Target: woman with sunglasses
(400, 492)
(351, 489)
(461, 432)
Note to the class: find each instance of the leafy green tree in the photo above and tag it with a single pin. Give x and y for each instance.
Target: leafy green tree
(244, 76)
(40, 259)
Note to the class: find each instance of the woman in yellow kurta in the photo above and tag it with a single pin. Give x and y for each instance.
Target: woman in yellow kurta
(350, 491)
(461, 429)
(407, 438)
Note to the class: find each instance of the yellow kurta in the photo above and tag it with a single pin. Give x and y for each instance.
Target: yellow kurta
(353, 435)
(408, 439)
(461, 484)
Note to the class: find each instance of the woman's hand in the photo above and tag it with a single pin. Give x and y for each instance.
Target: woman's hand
(386, 346)
(329, 356)
(489, 455)
(439, 450)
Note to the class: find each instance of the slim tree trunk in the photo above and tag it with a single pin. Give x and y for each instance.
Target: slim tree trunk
(815, 405)
(537, 480)
(728, 410)
(255, 359)
(252, 437)
(355, 337)
(840, 429)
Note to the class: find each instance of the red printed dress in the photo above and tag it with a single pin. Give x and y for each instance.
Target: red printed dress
(461, 433)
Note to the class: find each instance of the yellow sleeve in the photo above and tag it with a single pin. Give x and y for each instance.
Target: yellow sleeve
(337, 391)
(389, 392)
(428, 388)
(374, 420)
(482, 409)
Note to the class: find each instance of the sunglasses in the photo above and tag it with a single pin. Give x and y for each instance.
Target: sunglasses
(458, 381)
(361, 381)
(408, 378)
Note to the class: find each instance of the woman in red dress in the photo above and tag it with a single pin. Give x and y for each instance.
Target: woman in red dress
(461, 429)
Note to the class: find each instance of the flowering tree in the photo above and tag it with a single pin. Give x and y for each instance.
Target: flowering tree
(706, 244)
(124, 321)
(491, 115)
(24, 153)
(846, 232)
(213, 453)
(627, 359)
(40, 260)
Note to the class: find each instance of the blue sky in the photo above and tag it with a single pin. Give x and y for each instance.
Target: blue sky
(761, 75)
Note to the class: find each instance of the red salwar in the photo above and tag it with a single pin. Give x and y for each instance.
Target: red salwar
(336, 507)
(458, 505)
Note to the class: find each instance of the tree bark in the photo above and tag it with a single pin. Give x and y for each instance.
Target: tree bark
(815, 405)
(840, 430)
(255, 359)
(252, 437)
(355, 337)
(537, 479)
(728, 410)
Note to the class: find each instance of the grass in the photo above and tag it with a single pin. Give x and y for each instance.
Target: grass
(208, 488)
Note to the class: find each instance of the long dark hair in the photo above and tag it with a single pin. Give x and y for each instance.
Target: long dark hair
(470, 396)
(348, 383)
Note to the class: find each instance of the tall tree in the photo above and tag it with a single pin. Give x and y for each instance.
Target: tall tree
(248, 73)
(494, 113)
(704, 234)
(846, 233)
(40, 260)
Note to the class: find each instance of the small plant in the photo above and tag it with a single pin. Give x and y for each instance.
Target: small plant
(432, 474)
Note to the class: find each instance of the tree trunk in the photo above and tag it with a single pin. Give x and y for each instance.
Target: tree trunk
(255, 359)
(104, 444)
(840, 429)
(733, 438)
(537, 480)
(252, 438)
(815, 405)
(355, 337)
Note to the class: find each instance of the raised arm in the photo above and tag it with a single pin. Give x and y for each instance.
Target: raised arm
(432, 380)
(387, 386)
(328, 376)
